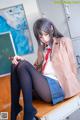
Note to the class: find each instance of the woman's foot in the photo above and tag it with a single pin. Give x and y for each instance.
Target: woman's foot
(19, 109)
(15, 111)
(35, 118)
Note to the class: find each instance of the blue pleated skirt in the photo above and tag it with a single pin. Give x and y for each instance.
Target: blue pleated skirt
(57, 92)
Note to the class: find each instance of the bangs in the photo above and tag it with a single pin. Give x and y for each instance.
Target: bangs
(46, 27)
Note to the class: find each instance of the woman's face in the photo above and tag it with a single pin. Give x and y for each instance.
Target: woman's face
(44, 37)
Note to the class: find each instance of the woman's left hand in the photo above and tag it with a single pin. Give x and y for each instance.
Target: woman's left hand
(15, 60)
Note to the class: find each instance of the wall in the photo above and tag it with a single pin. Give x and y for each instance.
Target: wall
(32, 13)
(55, 12)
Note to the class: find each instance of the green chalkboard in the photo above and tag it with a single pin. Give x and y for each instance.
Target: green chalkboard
(6, 49)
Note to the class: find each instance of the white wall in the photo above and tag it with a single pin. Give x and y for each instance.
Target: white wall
(55, 12)
(32, 13)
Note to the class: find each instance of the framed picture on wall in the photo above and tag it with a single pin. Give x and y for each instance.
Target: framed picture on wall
(14, 19)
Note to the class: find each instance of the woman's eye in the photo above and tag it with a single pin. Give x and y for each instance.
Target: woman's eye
(46, 34)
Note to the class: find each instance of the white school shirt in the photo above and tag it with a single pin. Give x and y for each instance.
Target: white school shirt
(49, 70)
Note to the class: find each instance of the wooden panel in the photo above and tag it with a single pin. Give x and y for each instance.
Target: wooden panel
(4, 91)
(7, 109)
(5, 97)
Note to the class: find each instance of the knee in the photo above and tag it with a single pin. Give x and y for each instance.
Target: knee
(22, 66)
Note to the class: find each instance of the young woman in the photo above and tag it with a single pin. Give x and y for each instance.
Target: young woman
(52, 77)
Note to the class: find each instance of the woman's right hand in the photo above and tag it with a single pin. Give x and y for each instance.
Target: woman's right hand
(15, 60)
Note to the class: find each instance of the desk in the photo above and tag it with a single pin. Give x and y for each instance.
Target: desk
(59, 111)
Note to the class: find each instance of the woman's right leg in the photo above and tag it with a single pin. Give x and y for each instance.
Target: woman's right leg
(15, 93)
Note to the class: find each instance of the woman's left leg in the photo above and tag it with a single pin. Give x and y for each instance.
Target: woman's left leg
(26, 86)
(15, 93)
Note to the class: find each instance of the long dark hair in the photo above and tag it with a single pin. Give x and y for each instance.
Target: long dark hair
(47, 26)
(43, 24)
